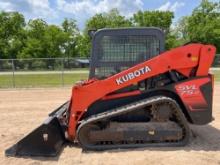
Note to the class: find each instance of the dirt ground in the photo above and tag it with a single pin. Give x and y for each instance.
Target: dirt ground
(22, 110)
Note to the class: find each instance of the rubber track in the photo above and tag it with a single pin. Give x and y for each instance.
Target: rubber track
(131, 107)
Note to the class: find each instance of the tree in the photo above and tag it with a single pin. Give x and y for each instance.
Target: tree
(177, 35)
(12, 34)
(161, 19)
(84, 45)
(35, 46)
(181, 29)
(111, 19)
(71, 30)
(43, 40)
(204, 24)
(37, 39)
(55, 40)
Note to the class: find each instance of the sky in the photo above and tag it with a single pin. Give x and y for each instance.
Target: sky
(54, 11)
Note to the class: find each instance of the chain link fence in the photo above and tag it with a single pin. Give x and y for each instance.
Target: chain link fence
(47, 72)
(42, 72)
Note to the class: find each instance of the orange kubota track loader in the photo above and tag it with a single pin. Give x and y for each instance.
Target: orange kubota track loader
(137, 95)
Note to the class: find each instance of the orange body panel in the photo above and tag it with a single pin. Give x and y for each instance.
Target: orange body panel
(182, 60)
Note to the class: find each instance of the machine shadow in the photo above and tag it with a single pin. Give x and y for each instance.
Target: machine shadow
(203, 138)
(56, 158)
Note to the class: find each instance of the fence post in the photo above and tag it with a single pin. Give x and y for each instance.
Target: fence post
(62, 71)
(13, 72)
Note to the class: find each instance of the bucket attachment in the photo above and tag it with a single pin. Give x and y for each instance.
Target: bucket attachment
(46, 140)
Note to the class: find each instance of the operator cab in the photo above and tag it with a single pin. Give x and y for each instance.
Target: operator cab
(115, 50)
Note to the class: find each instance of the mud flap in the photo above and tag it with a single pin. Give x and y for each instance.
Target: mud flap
(46, 140)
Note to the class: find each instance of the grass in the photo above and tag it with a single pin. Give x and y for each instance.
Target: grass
(41, 80)
(51, 80)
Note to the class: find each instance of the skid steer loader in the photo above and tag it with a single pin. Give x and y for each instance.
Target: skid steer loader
(137, 95)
